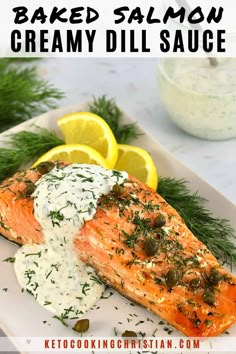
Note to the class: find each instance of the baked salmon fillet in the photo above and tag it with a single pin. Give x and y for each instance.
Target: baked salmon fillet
(139, 245)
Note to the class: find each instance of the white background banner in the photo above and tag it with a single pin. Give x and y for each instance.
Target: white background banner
(118, 345)
(115, 28)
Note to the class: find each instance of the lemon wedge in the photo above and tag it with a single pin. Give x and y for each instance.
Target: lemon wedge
(138, 163)
(91, 130)
(73, 153)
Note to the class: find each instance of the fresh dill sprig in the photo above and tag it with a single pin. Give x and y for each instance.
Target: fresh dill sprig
(10, 161)
(215, 233)
(25, 146)
(23, 94)
(110, 112)
(34, 144)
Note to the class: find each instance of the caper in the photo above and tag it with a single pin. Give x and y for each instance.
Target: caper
(45, 167)
(208, 296)
(81, 326)
(195, 283)
(159, 220)
(30, 188)
(172, 277)
(129, 334)
(117, 189)
(151, 246)
(214, 277)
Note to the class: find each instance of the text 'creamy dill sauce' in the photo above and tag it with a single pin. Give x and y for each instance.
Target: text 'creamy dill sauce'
(63, 200)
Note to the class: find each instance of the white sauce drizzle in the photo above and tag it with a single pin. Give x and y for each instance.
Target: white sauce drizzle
(63, 200)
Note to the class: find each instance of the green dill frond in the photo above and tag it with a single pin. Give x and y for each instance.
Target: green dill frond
(34, 144)
(216, 233)
(127, 133)
(24, 147)
(10, 162)
(23, 94)
(110, 112)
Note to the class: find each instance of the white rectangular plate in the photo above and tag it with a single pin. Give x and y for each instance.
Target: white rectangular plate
(21, 315)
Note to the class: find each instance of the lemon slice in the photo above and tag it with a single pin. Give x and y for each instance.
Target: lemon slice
(138, 163)
(74, 153)
(90, 129)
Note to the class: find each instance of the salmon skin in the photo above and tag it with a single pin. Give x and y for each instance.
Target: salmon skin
(139, 245)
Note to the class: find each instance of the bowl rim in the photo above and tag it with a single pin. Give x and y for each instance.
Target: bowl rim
(165, 74)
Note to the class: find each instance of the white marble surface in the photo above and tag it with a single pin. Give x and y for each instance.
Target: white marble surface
(133, 84)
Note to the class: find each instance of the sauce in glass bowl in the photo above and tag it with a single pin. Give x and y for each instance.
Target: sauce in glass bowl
(200, 98)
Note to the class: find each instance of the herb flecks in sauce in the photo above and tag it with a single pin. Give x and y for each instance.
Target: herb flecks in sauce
(64, 199)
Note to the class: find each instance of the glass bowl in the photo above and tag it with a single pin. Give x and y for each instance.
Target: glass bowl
(200, 98)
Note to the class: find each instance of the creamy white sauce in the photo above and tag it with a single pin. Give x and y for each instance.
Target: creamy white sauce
(196, 74)
(200, 98)
(63, 200)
